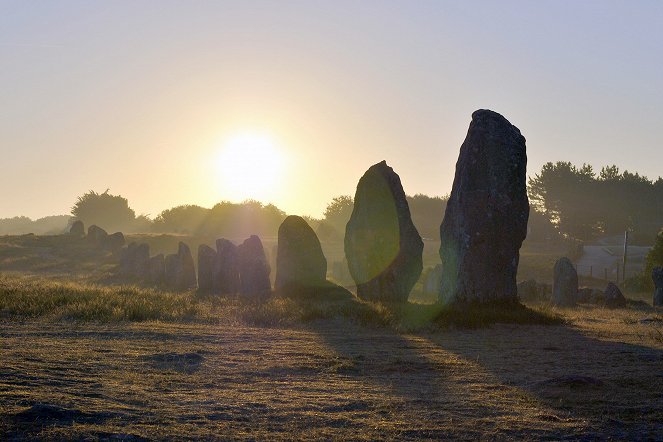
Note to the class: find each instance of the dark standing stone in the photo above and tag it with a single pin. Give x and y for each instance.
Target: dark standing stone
(180, 272)
(486, 217)
(301, 266)
(127, 258)
(225, 278)
(614, 297)
(113, 243)
(96, 235)
(253, 268)
(531, 291)
(77, 229)
(206, 259)
(157, 269)
(657, 276)
(565, 283)
(141, 261)
(171, 266)
(382, 245)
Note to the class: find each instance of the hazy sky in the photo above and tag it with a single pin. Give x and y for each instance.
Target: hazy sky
(143, 97)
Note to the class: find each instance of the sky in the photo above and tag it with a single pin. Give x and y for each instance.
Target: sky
(289, 102)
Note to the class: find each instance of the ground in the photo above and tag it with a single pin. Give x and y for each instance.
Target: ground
(600, 378)
(82, 358)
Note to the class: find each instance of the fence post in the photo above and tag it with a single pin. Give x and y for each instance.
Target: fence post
(591, 268)
(605, 269)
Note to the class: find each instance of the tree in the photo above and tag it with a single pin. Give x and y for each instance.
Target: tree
(336, 216)
(654, 259)
(110, 212)
(427, 213)
(181, 219)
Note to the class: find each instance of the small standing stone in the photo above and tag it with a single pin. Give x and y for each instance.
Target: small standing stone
(180, 272)
(565, 283)
(113, 243)
(206, 259)
(157, 269)
(96, 235)
(614, 297)
(141, 261)
(657, 276)
(301, 266)
(433, 281)
(77, 229)
(253, 268)
(226, 270)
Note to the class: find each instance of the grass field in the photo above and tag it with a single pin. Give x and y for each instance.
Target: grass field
(83, 357)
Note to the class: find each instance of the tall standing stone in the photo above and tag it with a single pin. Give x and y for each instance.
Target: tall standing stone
(565, 283)
(96, 235)
(113, 243)
(141, 261)
(225, 277)
(657, 276)
(253, 268)
(486, 217)
(614, 298)
(382, 245)
(206, 260)
(301, 266)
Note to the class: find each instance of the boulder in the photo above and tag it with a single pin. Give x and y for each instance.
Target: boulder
(113, 243)
(301, 267)
(382, 245)
(134, 260)
(180, 271)
(157, 269)
(532, 291)
(96, 235)
(614, 297)
(589, 295)
(225, 278)
(206, 261)
(657, 276)
(565, 283)
(486, 217)
(77, 229)
(253, 268)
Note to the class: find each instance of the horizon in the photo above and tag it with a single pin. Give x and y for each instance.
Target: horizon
(147, 101)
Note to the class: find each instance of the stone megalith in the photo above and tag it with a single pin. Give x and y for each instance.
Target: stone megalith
(127, 258)
(157, 269)
(180, 272)
(657, 276)
(225, 277)
(141, 261)
(77, 229)
(614, 298)
(486, 217)
(113, 243)
(206, 260)
(301, 266)
(382, 245)
(96, 235)
(565, 283)
(253, 268)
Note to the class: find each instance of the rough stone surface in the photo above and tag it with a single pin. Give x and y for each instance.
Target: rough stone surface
(77, 229)
(486, 217)
(253, 268)
(134, 260)
(113, 243)
(126, 258)
(301, 266)
(206, 260)
(657, 276)
(589, 295)
(225, 276)
(96, 235)
(382, 245)
(565, 283)
(614, 297)
(157, 269)
(180, 272)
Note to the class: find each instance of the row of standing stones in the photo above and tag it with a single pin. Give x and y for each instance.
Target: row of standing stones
(481, 234)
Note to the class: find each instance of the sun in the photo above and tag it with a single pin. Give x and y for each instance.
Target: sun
(250, 166)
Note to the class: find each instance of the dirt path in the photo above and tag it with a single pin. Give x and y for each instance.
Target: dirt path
(332, 380)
